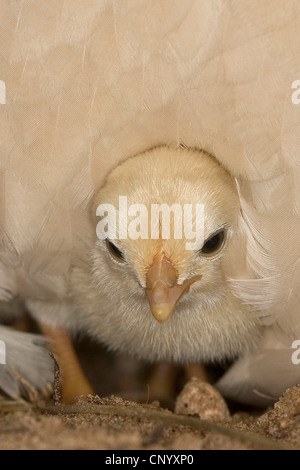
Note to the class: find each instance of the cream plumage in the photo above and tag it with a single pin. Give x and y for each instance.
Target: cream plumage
(89, 85)
(208, 322)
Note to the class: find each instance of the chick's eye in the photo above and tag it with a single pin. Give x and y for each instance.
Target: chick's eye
(115, 252)
(214, 243)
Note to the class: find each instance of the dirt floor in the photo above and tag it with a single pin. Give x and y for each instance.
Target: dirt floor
(200, 419)
(117, 424)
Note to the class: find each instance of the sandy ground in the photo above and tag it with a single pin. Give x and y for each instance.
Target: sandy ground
(117, 424)
(201, 419)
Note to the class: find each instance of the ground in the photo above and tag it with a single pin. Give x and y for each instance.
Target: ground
(117, 424)
(148, 410)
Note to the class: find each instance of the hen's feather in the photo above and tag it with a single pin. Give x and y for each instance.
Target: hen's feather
(26, 368)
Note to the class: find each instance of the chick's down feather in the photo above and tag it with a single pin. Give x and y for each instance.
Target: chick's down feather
(208, 321)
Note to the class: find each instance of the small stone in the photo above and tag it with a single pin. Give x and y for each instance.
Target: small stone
(285, 423)
(155, 404)
(202, 399)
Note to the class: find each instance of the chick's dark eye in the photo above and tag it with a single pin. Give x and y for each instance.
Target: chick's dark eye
(115, 252)
(214, 243)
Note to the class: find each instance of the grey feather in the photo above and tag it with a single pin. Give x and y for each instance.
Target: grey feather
(28, 368)
(260, 378)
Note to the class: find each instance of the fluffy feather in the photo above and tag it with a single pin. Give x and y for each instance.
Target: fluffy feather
(208, 323)
(28, 369)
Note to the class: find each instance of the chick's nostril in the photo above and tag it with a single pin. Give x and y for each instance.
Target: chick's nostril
(161, 270)
(160, 292)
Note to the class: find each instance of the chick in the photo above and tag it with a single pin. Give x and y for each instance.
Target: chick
(153, 291)
(153, 297)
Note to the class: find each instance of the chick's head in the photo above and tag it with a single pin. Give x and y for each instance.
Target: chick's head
(157, 286)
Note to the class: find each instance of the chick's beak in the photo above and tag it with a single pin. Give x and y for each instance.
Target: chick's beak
(162, 289)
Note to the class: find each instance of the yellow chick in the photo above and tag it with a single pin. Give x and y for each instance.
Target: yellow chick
(166, 278)
(153, 297)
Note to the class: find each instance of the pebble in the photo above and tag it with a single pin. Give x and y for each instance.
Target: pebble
(202, 399)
